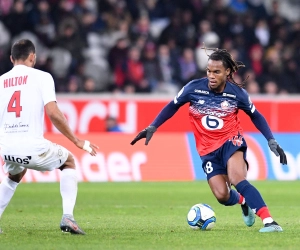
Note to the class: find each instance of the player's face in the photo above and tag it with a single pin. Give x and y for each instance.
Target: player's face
(217, 75)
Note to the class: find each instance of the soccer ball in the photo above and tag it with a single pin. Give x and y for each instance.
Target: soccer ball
(201, 216)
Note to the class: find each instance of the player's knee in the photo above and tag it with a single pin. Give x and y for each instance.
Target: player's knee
(70, 163)
(237, 175)
(222, 196)
(222, 201)
(236, 179)
(17, 177)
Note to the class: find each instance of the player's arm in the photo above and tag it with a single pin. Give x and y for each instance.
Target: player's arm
(57, 117)
(261, 124)
(166, 113)
(60, 122)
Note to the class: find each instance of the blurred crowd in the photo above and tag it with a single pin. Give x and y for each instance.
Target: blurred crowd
(154, 46)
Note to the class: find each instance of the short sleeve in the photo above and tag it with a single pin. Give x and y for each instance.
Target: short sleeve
(48, 89)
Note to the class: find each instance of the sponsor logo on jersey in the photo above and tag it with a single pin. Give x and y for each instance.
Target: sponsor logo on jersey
(14, 127)
(229, 95)
(201, 91)
(225, 105)
(214, 113)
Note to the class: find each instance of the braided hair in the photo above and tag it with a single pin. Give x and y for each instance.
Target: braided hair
(228, 62)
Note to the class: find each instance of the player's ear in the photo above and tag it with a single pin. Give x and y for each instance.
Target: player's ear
(11, 59)
(31, 57)
(228, 72)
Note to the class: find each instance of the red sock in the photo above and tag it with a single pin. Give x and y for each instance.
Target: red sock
(263, 213)
(241, 199)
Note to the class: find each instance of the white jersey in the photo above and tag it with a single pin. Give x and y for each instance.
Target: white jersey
(24, 91)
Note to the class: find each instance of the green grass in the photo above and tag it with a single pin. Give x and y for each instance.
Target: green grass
(145, 216)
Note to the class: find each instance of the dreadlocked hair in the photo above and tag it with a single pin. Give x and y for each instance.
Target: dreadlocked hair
(228, 62)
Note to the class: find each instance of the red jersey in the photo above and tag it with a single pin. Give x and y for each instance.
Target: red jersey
(214, 116)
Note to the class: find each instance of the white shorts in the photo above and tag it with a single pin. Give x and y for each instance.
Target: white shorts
(54, 158)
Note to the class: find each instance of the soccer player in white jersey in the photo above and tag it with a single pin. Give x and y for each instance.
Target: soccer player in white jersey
(25, 93)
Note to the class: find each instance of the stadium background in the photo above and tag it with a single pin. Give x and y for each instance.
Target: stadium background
(127, 59)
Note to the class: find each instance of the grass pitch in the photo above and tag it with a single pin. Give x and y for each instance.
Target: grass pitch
(145, 216)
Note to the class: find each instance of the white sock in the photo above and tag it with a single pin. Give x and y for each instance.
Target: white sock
(68, 190)
(7, 190)
(267, 220)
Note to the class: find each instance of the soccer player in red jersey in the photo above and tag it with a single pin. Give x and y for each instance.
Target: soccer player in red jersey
(214, 104)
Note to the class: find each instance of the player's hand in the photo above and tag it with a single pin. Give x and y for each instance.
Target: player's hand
(277, 150)
(146, 133)
(87, 146)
